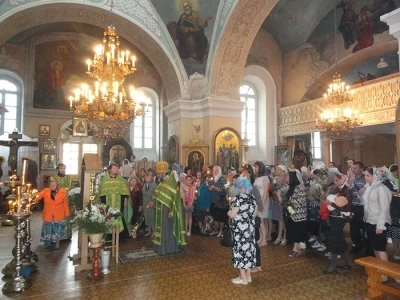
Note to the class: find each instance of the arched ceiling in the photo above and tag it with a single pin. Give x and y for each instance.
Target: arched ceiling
(51, 18)
(291, 22)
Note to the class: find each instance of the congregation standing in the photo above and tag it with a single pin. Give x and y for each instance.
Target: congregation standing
(306, 208)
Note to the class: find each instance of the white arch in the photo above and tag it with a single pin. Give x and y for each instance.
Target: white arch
(262, 80)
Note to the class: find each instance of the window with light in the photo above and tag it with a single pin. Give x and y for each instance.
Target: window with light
(248, 126)
(144, 129)
(10, 99)
(73, 154)
(316, 145)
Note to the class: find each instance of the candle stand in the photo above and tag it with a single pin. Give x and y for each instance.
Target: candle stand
(19, 213)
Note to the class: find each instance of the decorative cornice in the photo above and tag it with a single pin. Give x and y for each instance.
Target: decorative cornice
(375, 102)
(208, 107)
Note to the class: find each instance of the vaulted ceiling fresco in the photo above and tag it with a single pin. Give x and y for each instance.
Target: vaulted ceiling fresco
(295, 22)
(190, 24)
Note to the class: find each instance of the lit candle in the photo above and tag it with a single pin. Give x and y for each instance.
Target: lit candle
(108, 58)
(123, 56)
(112, 51)
(127, 55)
(77, 94)
(10, 206)
(29, 185)
(70, 101)
(133, 60)
(120, 98)
(89, 62)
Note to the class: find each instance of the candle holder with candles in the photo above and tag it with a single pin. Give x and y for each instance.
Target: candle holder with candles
(19, 211)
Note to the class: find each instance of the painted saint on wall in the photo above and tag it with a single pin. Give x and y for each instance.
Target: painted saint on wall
(190, 26)
(58, 72)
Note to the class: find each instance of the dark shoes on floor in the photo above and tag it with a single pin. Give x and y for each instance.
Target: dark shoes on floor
(344, 267)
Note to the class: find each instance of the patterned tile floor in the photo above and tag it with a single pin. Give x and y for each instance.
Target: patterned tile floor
(203, 274)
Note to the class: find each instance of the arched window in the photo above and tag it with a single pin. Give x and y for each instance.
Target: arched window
(11, 100)
(143, 129)
(249, 117)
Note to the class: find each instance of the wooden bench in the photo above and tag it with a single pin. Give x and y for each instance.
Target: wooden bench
(374, 268)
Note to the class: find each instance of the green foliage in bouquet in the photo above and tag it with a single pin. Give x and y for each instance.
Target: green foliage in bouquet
(97, 218)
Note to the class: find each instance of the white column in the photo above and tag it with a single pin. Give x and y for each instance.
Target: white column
(393, 20)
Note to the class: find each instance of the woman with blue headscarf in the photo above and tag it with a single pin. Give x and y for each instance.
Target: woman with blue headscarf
(242, 213)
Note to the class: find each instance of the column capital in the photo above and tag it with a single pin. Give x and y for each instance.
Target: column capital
(207, 107)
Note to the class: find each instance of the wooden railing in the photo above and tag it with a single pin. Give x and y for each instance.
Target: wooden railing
(375, 268)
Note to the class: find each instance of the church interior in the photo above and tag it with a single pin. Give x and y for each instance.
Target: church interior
(236, 82)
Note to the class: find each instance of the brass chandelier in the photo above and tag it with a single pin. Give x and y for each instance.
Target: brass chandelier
(338, 120)
(109, 109)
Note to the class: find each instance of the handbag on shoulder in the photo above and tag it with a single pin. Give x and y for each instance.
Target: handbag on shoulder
(227, 236)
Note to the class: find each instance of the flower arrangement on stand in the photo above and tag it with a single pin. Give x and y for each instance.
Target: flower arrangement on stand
(74, 197)
(97, 219)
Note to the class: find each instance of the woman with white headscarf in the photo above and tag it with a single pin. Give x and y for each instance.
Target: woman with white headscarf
(219, 204)
(377, 198)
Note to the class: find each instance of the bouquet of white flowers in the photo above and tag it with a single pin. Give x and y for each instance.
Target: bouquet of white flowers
(97, 218)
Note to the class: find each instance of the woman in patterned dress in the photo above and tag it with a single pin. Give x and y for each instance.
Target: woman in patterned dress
(56, 209)
(277, 208)
(296, 205)
(244, 243)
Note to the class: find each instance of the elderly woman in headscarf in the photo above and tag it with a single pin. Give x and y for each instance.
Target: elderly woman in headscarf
(339, 206)
(55, 211)
(176, 171)
(243, 208)
(392, 182)
(296, 205)
(377, 198)
(219, 204)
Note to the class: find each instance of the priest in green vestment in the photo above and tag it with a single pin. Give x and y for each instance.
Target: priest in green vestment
(114, 191)
(169, 232)
(64, 181)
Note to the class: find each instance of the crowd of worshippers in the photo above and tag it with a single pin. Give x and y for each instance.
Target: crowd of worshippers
(309, 206)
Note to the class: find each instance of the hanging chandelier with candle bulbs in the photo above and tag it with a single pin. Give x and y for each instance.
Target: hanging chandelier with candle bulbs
(338, 120)
(108, 108)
